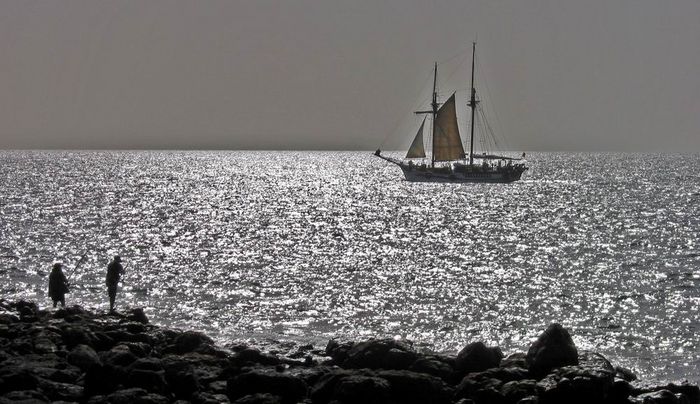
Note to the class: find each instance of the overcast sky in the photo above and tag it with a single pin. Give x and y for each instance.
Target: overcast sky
(320, 74)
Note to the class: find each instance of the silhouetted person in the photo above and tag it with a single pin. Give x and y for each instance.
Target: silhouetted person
(114, 272)
(58, 285)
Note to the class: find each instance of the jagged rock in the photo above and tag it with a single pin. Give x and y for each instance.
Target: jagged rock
(6, 318)
(517, 390)
(410, 387)
(625, 374)
(76, 335)
(433, 366)
(380, 354)
(476, 357)
(24, 397)
(259, 399)
(127, 396)
(154, 364)
(103, 379)
(56, 391)
(659, 397)
(576, 384)
(286, 386)
(361, 389)
(84, 357)
(181, 378)
(152, 381)
(337, 351)
(120, 355)
(189, 341)
(691, 391)
(17, 378)
(479, 388)
(619, 391)
(137, 315)
(553, 348)
(515, 360)
(255, 356)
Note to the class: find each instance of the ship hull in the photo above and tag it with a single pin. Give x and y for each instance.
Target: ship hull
(428, 175)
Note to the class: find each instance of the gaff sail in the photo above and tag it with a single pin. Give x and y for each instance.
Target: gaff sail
(447, 145)
(417, 150)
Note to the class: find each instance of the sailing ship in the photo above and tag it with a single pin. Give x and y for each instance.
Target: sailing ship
(448, 160)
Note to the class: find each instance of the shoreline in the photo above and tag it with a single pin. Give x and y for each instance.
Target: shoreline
(75, 355)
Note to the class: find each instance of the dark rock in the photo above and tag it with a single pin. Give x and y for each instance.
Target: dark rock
(380, 354)
(190, 340)
(153, 364)
(259, 399)
(103, 379)
(659, 397)
(337, 351)
(289, 388)
(127, 396)
(362, 389)
(24, 397)
(433, 366)
(477, 387)
(134, 327)
(553, 349)
(209, 398)
(516, 359)
(691, 391)
(619, 391)
(476, 357)
(6, 318)
(255, 356)
(137, 315)
(17, 378)
(181, 378)
(84, 357)
(576, 384)
(76, 335)
(153, 381)
(152, 398)
(625, 374)
(61, 391)
(120, 355)
(515, 391)
(410, 387)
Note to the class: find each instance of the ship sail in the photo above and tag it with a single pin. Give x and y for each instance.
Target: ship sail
(447, 145)
(417, 151)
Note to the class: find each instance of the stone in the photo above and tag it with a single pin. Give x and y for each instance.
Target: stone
(411, 387)
(259, 399)
(137, 315)
(84, 357)
(120, 355)
(554, 348)
(659, 397)
(477, 357)
(190, 340)
(289, 388)
(517, 390)
(362, 389)
(433, 366)
(152, 381)
(255, 356)
(380, 354)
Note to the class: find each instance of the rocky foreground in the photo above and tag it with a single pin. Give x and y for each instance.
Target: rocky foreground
(73, 355)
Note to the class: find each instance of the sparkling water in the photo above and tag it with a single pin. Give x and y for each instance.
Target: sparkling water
(305, 246)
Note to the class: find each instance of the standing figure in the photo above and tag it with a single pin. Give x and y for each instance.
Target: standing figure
(114, 272)
(58, 285)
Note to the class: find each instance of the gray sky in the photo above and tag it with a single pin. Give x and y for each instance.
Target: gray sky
(319, 74)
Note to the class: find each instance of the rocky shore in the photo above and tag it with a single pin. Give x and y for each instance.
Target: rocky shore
(73, 355)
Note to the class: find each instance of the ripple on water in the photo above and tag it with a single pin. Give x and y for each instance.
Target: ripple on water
(311, 245)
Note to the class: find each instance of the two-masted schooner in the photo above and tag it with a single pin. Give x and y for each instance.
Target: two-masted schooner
(448, 161)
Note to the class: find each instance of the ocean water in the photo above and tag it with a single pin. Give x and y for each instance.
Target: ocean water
(305, 246)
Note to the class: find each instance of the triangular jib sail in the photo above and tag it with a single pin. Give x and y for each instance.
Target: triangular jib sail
(447, 144)
(417, 151)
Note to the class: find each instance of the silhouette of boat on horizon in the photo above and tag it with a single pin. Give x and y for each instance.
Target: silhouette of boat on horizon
(448, 161)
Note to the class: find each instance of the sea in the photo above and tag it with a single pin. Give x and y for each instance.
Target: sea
(281, 248)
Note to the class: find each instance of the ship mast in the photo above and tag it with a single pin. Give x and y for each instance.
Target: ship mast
(434, 111)
(472, 104)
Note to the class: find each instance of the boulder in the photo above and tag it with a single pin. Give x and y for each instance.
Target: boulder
(120, 355)
(658, 397)
(259, 399)
(137, 315)
(477, 357)
(434, 366)
(411, 387)
(189, 341)
(380, 354)
(288, 387)
(84, 357)
(553, 349)
(152, 381)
